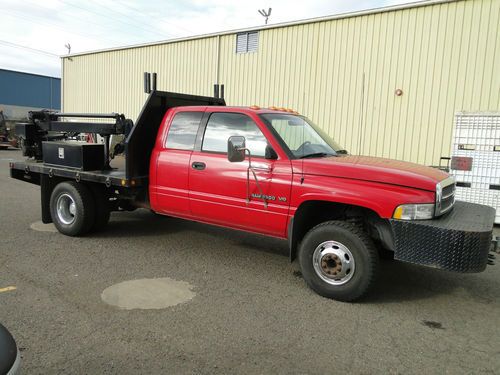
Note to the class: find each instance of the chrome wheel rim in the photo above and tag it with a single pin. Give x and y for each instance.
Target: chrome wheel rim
(66, 209)
(333, 262)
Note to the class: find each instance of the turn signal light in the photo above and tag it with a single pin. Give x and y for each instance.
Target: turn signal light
(398, 213)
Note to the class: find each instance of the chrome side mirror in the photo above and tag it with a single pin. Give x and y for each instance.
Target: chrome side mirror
(236, 148)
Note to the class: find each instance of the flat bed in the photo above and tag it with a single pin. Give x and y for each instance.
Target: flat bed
(31, 170)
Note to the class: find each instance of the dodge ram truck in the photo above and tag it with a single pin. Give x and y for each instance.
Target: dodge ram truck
(270, 171)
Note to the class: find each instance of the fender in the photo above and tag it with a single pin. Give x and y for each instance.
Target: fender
(321, 198)
(378, 197)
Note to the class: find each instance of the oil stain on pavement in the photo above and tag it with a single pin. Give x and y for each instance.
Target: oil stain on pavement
(432, 325)
(148, 294)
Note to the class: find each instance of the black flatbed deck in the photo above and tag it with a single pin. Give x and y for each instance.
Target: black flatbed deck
(30, 171)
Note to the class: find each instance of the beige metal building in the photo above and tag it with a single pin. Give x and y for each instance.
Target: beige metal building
(384, 82)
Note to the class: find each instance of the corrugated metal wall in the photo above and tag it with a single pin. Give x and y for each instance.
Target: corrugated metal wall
(29, 90)
(113, 81)
(341, 73)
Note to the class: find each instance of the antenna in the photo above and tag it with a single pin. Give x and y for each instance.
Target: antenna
(68, 46)
(265, 14)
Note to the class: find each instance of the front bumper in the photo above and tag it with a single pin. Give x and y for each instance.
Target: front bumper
(458, 241)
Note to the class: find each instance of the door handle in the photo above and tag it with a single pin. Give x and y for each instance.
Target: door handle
(198, 165)
(262, 169)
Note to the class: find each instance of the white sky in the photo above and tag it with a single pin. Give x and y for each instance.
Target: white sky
(47, 25)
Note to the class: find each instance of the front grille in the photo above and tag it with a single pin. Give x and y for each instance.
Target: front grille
(447, 203)
(445, 196)
(449, 190)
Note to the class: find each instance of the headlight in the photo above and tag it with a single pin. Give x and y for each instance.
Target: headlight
(414, 212)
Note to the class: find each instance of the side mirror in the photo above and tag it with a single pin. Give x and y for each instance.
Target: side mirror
(236, 148)
(270, 154)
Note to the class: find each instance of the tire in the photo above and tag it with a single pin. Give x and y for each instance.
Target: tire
(72, 208)
(102, 209)
(338, 260)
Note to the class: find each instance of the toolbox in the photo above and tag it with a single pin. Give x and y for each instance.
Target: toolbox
(73, 154)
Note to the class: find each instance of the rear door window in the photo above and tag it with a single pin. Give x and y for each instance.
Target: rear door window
(183, 130)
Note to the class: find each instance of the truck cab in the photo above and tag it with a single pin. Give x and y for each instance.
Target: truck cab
(273, 172)
(207, 186)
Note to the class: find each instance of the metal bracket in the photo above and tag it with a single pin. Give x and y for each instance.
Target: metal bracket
(250, 168)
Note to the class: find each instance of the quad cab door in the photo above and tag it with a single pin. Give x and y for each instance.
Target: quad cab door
(170, 186)
(218, 189)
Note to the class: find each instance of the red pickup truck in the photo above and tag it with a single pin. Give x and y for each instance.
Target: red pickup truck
(269, 171)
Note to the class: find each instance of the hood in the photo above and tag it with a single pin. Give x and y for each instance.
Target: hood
(374, 169)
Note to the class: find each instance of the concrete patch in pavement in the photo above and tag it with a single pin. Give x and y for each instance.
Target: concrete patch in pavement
(41, 227)
(148, 294)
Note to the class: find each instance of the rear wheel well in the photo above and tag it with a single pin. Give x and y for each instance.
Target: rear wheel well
(311, 213)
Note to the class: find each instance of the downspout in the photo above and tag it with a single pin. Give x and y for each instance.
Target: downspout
(217, 74)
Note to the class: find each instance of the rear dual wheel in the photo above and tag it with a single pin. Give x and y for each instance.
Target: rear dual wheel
(338, 260)
(75, 209)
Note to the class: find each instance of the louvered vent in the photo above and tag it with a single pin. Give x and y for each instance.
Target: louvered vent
(247, 42)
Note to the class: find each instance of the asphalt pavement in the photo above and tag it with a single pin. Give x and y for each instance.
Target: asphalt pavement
(249, 311)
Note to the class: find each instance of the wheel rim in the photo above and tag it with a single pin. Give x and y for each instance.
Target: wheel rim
(66, 209)
(333, 262)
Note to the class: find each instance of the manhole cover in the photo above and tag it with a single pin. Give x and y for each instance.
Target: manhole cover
(41, 227)
(148, 293)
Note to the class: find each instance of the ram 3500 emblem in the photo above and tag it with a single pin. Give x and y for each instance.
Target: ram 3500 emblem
(268, 197)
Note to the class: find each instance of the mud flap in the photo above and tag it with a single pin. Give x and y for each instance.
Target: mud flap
(46, 187)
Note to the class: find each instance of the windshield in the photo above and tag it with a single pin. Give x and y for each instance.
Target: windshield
(302, 137)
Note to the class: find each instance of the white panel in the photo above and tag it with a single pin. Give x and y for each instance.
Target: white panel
(475, 135)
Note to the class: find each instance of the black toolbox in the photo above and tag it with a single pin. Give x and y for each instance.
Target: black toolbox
(73, 154)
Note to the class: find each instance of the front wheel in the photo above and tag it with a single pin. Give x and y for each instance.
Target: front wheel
(338, 260)
(72, 208)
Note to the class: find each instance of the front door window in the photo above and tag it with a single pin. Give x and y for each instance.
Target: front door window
(221, 126)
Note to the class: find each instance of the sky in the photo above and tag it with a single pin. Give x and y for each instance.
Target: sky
(33, 33)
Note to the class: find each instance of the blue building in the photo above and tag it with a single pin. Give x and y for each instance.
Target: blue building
(23, 92)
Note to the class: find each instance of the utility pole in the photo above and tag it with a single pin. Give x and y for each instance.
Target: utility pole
(265, 14)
